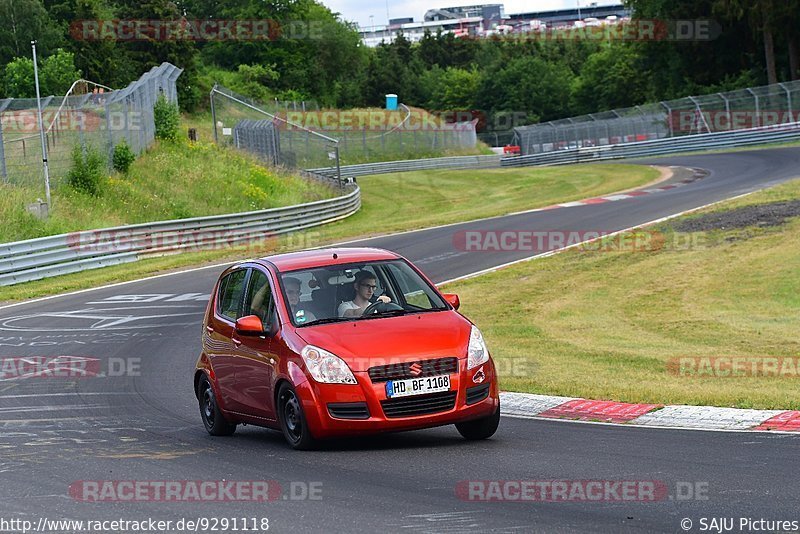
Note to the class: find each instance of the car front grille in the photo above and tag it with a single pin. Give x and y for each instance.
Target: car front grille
(421, 405)
(402, 371)
(477, 393)
(348, 410)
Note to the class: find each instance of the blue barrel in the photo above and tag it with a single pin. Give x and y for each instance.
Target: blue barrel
(391, 102)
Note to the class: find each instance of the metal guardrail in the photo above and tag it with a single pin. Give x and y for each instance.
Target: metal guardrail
(385, 167)
(34, 259)
(672, 145)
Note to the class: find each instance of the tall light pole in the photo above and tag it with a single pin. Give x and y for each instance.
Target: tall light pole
(41, 127)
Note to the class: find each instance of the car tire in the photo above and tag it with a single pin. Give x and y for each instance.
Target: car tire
(483, 428)
(213, 420)
(293, 420)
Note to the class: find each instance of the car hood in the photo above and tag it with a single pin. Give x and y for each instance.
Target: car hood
(366, 343)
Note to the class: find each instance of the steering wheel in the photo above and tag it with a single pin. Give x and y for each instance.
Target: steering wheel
(380, 307)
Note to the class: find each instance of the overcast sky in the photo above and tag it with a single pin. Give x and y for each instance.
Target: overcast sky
(360, 10)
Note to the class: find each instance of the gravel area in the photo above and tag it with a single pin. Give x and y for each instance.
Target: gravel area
(759, 215)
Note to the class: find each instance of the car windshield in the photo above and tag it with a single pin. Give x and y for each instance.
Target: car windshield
(344, 292)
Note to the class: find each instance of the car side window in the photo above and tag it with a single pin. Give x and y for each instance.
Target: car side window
(259, 297)
(230, 295)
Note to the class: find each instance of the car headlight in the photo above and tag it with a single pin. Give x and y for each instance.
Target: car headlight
(326, 367)
(477, 352)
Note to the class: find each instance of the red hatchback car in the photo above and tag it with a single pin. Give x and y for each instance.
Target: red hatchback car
(338, 342)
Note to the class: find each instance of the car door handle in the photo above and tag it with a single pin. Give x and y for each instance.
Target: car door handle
(236, 341)
(210, 329)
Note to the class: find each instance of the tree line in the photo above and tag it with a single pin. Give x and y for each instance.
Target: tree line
(312, 54)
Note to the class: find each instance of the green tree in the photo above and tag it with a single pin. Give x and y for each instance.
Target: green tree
(455, 89)
(610, 78)
(18, 78)
(528, 85)
(151, 52)
(256, 80)
(101, 60)
(394, 68)
(22, 22)
(58, 73)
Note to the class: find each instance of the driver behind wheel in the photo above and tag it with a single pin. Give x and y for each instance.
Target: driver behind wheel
(365, 285)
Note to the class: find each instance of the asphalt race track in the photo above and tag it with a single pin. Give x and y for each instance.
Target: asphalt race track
(140, 421)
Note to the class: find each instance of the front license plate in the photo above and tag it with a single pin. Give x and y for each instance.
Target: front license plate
(417, 386)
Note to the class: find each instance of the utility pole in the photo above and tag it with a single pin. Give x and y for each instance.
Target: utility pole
(41, 128)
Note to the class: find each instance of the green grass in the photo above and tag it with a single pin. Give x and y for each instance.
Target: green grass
(412, 200)
(390, 203)
(169, 181)
(604, 324)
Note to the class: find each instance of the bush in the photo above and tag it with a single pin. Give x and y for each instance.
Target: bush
(88, 170)
(123, 157)
(166, 117)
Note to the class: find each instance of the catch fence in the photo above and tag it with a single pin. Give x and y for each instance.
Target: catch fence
(743, 109)
(88, 115)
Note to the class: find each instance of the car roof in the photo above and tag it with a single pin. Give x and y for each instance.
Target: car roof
(321, 257)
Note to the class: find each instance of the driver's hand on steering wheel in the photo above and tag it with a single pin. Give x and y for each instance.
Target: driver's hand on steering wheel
(385, 299)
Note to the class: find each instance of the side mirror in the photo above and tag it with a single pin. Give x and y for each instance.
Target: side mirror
(249, 325)
(452, 299)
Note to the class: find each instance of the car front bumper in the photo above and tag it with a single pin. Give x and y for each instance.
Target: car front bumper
(340, 410)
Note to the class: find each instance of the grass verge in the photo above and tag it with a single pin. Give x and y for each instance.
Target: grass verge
(421, 199)
(613, 323)
(169, 181)
(391, 203)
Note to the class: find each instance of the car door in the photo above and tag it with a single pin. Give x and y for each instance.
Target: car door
(219, 329)
(255, 355)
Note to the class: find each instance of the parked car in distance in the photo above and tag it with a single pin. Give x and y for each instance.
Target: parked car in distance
(340, 342)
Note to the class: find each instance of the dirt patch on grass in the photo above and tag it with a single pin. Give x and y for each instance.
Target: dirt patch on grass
(759, 215)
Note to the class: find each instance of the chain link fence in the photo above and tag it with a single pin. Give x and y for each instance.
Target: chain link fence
(88, 116)
(720, 112)
(309, 138)
(368, 136)
(245, 124)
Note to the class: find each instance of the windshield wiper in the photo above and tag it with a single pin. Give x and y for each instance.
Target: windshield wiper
(326, 320)
(387, 313)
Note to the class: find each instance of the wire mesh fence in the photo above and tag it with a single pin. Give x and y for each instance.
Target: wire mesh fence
(88, 116)
(719, 112)
(247, 125)
(367, 136)
(309, 138)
